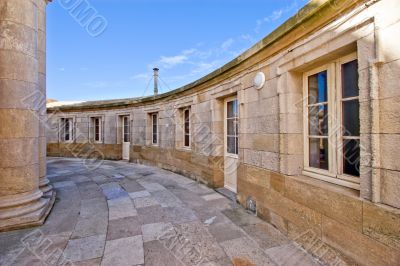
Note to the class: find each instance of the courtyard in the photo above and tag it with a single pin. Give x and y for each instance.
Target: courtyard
(119, 213)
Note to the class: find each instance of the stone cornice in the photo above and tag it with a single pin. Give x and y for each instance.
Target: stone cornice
(312, 17)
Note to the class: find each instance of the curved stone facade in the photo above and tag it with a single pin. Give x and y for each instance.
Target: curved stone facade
(350, 218)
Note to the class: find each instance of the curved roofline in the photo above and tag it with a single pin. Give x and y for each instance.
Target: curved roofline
(320, 12)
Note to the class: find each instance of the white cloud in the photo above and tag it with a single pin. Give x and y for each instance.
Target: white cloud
(171, 61)
(141, 76)
(275, 15)
(227, 44)
(62, 69)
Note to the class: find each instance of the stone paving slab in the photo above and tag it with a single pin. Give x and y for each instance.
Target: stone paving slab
(63, 184)
(157, 254)
(198, 238)
(85, 248)
(92, 262)
(266, 235)
(151, 187)
(90, 190)
(225, 231)
(80, 179)
(213, 196)
(153, 214)
(143, 202)
(131, 186)
(124, 227)
(290, 254)
(128, 214)
(94, 225)
(113, 190)
(153, 232)
(245, 251)
(139, 194)
(124, 252)
(90, 207)
(167, 199)
(121, 208)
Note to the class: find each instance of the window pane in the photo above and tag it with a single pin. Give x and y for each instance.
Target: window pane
(97, 126)
(187, 122)
(231, 145)
(230, 127)
(318, 156)
(187, 140)
(154, 138)
(186, 116)
(318, 120)
(351, 118)
(318, 88)
(187, 128)
(350, 79)
(351, 157)
(232, 109)
(154, 119)
(67, 129)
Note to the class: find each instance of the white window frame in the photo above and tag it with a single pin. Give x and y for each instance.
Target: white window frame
(230, 99)
(335, 156)
(183, 127)
(152, 115)
(63, 121)
(93, 129)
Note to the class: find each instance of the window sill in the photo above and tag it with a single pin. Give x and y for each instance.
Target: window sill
(233, 156)
(330, 179)
(327, 186)
(187, 149)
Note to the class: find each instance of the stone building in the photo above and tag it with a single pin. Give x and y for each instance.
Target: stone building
(303, 127)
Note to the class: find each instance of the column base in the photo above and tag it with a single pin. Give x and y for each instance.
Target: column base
(32, 219)
(44, 185)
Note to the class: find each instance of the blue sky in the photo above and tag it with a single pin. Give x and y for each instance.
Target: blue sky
(185, 39)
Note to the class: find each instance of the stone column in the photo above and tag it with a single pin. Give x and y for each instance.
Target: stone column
(43, 181)
(21, 201)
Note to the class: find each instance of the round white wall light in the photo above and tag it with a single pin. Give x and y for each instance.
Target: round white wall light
(259, 80)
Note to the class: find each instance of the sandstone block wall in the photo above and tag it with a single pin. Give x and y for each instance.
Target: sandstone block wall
(356, 224)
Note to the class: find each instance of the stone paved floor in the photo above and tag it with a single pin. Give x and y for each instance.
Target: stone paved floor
(127, 214)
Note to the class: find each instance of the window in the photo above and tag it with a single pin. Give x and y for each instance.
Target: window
(126, 128)
(154, 122)
(97, 129)
(67, 129)
(332, 123)
(232, 127)
(186, 127)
